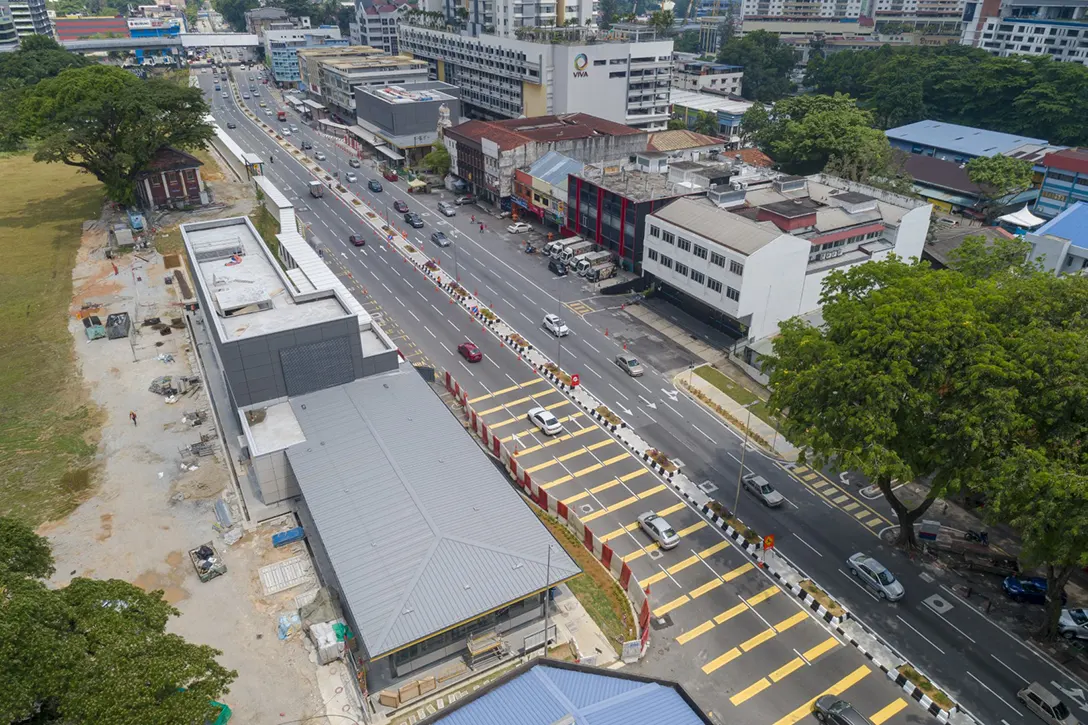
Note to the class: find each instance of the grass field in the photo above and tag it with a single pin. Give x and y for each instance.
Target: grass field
(595, 588)
(737, 392)
(48, 427)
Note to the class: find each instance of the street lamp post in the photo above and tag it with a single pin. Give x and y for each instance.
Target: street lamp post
(743, 450)
(558, 309)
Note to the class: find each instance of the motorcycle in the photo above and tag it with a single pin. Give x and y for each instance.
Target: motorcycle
(530, 249)
(979, 537)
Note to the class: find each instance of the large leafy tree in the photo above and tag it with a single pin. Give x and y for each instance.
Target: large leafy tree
(1001, 176)
(1035, 96)
(767, 63)
(110, 123)
(803, 133)
(234, 12)
(94, 651)
(438, 161)
(38, 57)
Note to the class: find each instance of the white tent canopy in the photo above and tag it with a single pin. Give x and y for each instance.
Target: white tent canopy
(1023, 219)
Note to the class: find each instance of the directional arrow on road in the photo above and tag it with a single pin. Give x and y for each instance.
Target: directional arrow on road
(671, 393)
(625, 410)
(648, 403)
(1076, 694)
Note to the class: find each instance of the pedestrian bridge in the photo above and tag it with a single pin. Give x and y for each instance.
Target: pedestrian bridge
(185, 40)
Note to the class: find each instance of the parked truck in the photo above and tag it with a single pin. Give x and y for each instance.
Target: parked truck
(560, 245)
(569, 253)
(602, 271)
(588, 261)
(316, 189)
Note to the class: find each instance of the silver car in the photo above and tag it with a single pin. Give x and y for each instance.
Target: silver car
(630, 365)
(759, 487)
(1073, 623)
(320, 156)
(545, 420)
(1046, 705)
(658, 529)
(351, 177)
(876, 576)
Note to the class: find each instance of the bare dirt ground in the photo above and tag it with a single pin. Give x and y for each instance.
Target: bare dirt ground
(147, 510)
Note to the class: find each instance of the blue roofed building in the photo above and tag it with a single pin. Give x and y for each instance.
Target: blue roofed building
(951, 142)
(545, 692)
(1061, 245)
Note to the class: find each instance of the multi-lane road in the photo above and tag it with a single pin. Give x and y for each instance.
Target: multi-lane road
(721, 627)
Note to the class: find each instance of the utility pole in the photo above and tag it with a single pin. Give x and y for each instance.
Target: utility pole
(743, 450)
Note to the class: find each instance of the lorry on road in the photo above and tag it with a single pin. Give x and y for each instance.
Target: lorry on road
(588, 261)
(602, 271)
(316, 189)
(281, 115)
(582, 247)
(560, 245)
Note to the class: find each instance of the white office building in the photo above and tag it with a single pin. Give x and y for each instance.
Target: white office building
(376, 24)
(620, 78)
(1056, 28)
(505, 17)
(745, 259)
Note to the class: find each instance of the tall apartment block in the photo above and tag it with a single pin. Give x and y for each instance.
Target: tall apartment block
(1058, 28)
(25, 18)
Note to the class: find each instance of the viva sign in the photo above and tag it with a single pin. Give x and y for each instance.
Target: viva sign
(580, 64)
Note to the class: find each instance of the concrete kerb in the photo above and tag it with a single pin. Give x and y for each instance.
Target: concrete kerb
(848, 625)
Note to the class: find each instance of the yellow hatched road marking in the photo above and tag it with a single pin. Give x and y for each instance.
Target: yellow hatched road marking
(703, 589)
(801, 469)
(721, 661)
(620, 532)
(837, 689)
(534, 381)
(691, 529)
(560, 404)
(670, 510)
(653, 579)
(752, 642)
(874, 522)
(730, 613)
(557, 441)
(604, 486)
(750, 691)
(742, 569)
(763, 595)
(507, 439)
(840, 500)
(861, 514)
(782, 672)
(635, 474)
(692, 634)
(651, 491)
(503, 423)
(588, 469)
(666, 608)
(654, 546)
(542, 466)
(519, 401)
(556, 482)
(888, 711)
(813, 653)
(810, 477)
(851, 506)
(609, 509)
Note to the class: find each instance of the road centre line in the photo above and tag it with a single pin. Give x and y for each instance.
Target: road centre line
(927, 639)
(999, 697)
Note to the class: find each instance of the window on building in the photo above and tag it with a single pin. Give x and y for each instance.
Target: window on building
(668, 237)
(651, 254)
(713, 284)
(599, 62)
(654, 231)
(666, 262)
(618, 74)
(1059, 176)
(699, 252)
(732, 294)
(697, 276)
(717, 259)
(681, 268)
(683, 244)
(736, 267)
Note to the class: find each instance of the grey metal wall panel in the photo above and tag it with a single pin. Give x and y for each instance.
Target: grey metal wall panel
(317, 366)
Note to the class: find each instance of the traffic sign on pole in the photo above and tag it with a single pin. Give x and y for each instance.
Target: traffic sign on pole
(768, 542)
(574, 380)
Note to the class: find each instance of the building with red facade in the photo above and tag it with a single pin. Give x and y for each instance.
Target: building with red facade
(171, 180)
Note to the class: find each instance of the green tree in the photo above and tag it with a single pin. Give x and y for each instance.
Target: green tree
(110, 123)
(706, 123)
(609, 10)
(767, 63)
(1001, 176)
(687, 42)
(38, 57)
(677, 124)
(980, 257)
(234, 12)
(438, 160)
(905, 380)
(803, 133)
(662, 21)
(94, 651)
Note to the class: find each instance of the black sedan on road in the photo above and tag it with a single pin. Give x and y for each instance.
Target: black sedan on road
(413, 219)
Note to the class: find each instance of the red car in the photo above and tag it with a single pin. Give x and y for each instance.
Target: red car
(357, 241)
(470, 352)
(400, 206)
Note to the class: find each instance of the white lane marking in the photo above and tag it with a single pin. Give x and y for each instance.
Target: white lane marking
(647, 415)
(453, 324)
(437, 310)
(671, 408)
(927, 639)
(591, 347)
(618, 391)
(525, 316)
(528, 298)
(413, 315)
(704, 434)
(643, 386)
(930, 608)
(421, 295)
(1010, 669)
(852, 581)
(429, 330)
(999, 697)
(387, 289)
(571, 354)
(506, 302)
(490, 289)
(594, 372)
(470, 372)
(493, 362)
(808, 544)
(399, 300)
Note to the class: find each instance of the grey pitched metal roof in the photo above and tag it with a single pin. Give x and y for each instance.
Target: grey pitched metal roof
(422, 530)
(701, 217)
(553, 168)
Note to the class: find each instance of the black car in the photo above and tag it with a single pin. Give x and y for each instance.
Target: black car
(557, 268)
(400, 206)
(232, 124)
(307, 145)
(830, 709)
(376, 186)
(413, 219)
(440, 239)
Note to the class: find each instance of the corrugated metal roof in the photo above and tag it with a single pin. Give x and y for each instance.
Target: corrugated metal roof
(680, 139)
(544, 692)
(962, 139)
(717, 225)
(422, 530)
(553, 168)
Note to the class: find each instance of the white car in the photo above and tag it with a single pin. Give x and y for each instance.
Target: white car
(320, 156)
(876, 576)
(294, 128)
(268, 111)
(351, 177)
(545, 421)
(658, 529)
(556, 326)
(1073, 623)
(285, 131)
(518, 228)
(759, 487)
